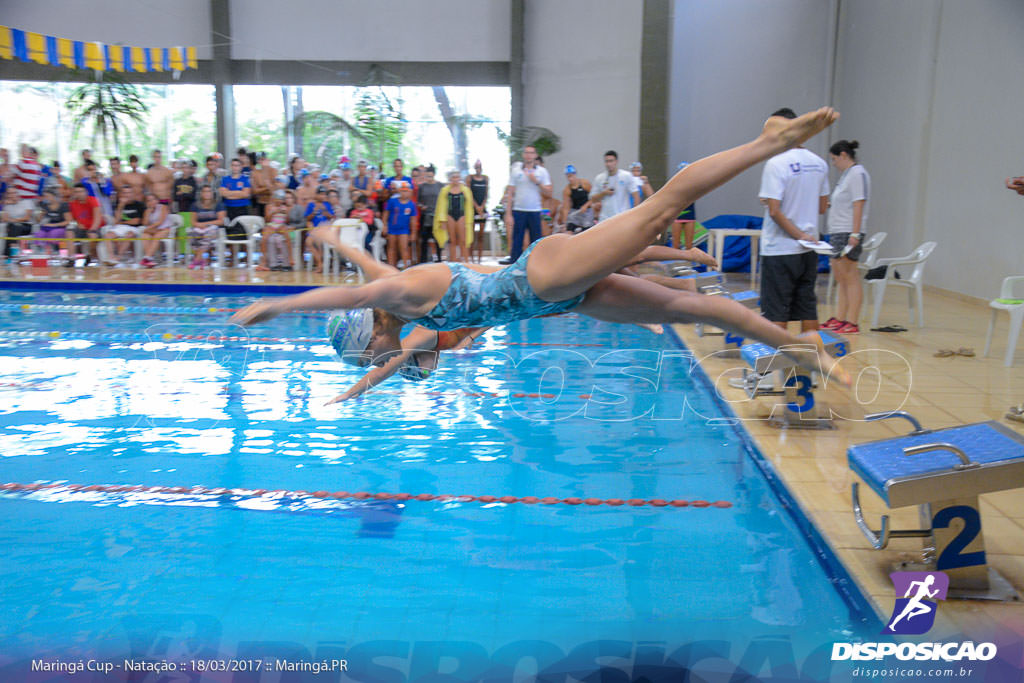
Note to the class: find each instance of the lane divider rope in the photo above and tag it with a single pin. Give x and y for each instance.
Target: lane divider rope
(141, 337)
(15, 487)
(169, 337)
(46, 385)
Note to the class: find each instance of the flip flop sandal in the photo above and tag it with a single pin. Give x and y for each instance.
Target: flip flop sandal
(1017, 410)
(966, 353)
(1016, 417)
(889, 328)
(944, 353)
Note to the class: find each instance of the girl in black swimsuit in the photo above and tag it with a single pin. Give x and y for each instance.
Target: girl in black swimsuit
(576, 214)
(456, 218)
(479, 185)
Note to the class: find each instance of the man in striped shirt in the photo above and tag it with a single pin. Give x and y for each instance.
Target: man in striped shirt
(28, 177)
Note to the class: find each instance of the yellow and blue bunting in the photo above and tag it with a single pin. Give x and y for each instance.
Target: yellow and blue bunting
(77, 54)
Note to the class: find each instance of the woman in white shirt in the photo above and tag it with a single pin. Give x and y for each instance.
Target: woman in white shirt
(847, 218)
(17, 214)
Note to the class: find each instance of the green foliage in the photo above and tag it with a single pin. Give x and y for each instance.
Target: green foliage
(108, 107)
(192, 136)
(264, 134)
(381, 125)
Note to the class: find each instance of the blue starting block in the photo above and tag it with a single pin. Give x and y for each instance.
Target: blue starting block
(711, 277)
(800, 408)
(943, 472)
(748, 298)
(680, 268)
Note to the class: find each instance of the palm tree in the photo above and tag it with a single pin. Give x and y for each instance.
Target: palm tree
(544, 140)
(108, 106)
(376, 131)
(329, 130)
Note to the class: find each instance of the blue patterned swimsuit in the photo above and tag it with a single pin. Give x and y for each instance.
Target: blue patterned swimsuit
(486, 299)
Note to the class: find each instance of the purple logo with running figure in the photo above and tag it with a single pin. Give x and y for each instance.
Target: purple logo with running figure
(914, 613)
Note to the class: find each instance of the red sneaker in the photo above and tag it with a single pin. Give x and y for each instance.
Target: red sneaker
(831, 324)
(847, 328)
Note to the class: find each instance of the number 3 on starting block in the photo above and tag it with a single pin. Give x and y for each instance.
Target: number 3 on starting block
(799, 397)
(733, 341)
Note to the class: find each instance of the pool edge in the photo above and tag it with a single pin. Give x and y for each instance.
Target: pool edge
(861, 608)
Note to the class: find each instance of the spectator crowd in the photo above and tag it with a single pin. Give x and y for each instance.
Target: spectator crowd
(119, 214)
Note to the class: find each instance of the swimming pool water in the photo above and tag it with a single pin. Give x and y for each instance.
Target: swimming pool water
(562, 407)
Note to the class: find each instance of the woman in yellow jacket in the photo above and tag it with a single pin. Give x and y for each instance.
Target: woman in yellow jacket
(453, 203)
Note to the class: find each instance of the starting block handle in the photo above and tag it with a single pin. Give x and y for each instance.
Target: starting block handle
(918, 429)
(965, 462)
(880, 539)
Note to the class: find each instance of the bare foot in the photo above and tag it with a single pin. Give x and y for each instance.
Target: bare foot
(784, 133)
(656, 328)
(827, 365)
(262, 267)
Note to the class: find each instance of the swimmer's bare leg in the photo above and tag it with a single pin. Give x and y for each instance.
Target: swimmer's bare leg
(663, 253)
(670, 282)
(624, 299)
(563, 266)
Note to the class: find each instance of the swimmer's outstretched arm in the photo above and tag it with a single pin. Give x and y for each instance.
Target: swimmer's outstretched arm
(420, 339)
(468, 335)
(396, 295)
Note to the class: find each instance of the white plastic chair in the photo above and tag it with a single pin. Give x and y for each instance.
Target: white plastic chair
(868, 257)
(378, 243)
(253, 225)
(913, 281)
(297, 254)
(1016, 311)
(169, 243)
(350, 232)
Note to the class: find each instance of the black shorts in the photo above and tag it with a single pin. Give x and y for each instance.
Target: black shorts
(839, 240)
(236, 231)
(427, 229)
(787, 287)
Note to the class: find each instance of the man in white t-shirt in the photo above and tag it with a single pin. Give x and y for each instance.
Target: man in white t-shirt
(794, 188)
(614, 188)
(528, 184)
